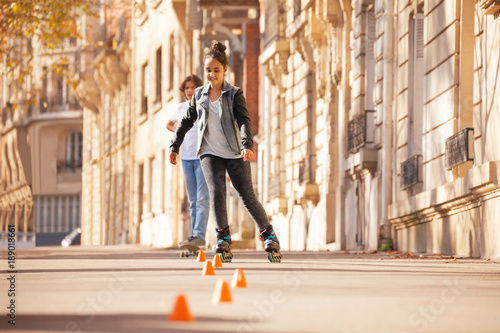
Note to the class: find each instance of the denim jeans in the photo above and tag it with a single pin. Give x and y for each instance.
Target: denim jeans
(214, 169)
(197, 191)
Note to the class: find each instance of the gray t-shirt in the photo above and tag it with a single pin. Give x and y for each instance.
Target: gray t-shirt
(214, 140)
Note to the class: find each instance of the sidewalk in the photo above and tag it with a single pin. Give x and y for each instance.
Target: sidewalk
(133, 289)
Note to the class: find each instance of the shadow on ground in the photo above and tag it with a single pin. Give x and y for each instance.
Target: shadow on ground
(115, 323)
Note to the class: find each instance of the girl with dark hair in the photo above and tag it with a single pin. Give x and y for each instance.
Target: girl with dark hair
(196, 185)
(224, 145)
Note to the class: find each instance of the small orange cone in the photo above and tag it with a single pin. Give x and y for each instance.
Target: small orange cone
(208, 269)
(217, 261)
(181, 311)
(201, 256)
(239, 279)
(221, 293)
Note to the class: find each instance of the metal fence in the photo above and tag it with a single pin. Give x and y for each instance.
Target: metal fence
(57, 213)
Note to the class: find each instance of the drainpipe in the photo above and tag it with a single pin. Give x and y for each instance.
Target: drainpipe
(387, 133)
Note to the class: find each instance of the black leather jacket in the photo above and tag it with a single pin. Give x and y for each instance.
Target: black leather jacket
(235, 119)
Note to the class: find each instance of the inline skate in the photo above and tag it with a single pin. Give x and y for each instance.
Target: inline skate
(271, 244)
(223, 245)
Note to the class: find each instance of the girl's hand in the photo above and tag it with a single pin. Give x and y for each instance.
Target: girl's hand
(172, 158)
(247, 155)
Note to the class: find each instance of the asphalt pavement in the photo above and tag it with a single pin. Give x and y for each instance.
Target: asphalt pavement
(134, 289)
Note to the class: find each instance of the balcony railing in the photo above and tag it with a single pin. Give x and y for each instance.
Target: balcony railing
(69, 167)
(232, 4)
(459, 148)
(56, 213)
(411, 171)
(360, 131)
(56, 103)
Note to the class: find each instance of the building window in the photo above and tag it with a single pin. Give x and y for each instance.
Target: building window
(171, 64)
(416, 83)
(162, 180)
(158, 75)
(8, 169)
(140, 194)
(156, 185)
(44, 103)
(144, 96)
(149, 193)
(370, 59)
(297, 7)
(73, 154)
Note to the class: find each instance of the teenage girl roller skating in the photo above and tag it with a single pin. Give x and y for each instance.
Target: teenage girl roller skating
(225, 144)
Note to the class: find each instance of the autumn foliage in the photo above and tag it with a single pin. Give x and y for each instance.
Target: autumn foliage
(48, 22)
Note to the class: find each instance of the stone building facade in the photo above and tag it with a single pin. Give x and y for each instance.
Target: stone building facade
(41, 156)
(104, 89)
(378, 123)
(455, 208)
(306, 63)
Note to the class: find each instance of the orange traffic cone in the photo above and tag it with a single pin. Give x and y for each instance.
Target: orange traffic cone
(201, 256)
(217, 261)
(221, 293)
(239, 279)
(208, 269)
(181, 311)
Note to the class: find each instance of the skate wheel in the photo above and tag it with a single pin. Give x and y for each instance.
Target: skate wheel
(274, 256)
(182, 254)
(226, 256)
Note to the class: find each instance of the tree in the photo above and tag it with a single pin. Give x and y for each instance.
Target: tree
(48, 22)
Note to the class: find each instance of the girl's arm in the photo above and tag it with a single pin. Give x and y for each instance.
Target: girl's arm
(183, 126)
(171, 126)
(243, 119)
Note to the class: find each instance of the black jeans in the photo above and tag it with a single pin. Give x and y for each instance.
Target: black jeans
(214, 169)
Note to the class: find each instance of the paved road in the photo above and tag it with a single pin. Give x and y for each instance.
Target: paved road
(133, 289)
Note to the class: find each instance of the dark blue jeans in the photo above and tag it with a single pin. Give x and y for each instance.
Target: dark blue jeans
(214, 169)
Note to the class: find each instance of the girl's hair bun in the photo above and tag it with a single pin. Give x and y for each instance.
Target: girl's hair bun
(218, 46)
(217, 51)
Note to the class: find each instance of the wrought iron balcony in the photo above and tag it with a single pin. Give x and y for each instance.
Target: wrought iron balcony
(69, 166)
(458, 148)
(229, 3)
(56, 102)
(411, 172)
(360, 131)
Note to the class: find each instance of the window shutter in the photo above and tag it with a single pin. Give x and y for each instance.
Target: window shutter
(194, 15)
